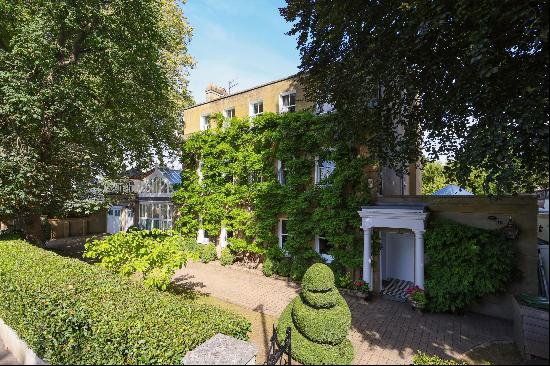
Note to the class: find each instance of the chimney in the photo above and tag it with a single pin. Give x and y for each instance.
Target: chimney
(214, 92)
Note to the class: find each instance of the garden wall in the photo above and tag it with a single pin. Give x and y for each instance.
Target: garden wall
(491, 213)
(81, 226)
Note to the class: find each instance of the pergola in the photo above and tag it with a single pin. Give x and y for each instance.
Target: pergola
(395, 217)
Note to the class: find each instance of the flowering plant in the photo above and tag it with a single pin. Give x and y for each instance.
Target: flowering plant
(416, 294)
(361, 286)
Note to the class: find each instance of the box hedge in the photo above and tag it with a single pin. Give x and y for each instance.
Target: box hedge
(70, 312)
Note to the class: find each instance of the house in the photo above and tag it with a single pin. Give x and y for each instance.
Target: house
(143, 200)
(285, 96)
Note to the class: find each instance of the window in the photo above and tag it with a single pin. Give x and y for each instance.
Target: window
(202, 234)
(288, 102)
(230, 113)
(155, 215)
(205, 123)
(256, 108)
(323, 247)
(281, 172)
(283, 234)
(323, 169)
(157, 185)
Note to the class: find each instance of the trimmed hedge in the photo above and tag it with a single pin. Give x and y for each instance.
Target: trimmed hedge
(328, 326)
(319, 277)
(321, 300)
(319, 334)
(310, 353)
(70, 312)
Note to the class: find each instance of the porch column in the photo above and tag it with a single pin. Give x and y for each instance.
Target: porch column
(367, 249)
(419, 258)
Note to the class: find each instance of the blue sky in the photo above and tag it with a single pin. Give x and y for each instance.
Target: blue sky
(238, 39)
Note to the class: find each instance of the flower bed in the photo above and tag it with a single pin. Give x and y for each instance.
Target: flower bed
(70, 312)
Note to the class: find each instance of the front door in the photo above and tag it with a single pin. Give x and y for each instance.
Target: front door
(113, 219)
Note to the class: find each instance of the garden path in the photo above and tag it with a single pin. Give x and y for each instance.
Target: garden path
(383, 331)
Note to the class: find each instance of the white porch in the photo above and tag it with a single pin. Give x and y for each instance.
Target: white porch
(395, 217)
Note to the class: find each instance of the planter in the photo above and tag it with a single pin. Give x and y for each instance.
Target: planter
(358, 294)
(418, 306)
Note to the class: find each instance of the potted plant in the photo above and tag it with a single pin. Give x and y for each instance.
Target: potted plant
(417, 298)
(363, 287)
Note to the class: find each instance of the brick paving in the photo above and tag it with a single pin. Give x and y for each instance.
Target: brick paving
(383, 331)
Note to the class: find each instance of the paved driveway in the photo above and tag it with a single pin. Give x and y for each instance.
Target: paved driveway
(383, 331)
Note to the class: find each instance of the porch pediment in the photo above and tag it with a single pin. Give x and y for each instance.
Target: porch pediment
(394, 216)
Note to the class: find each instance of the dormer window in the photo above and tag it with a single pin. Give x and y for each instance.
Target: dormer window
(256, 108)
(288, 102)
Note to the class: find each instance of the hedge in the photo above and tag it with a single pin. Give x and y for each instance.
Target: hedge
(209, 253)
(70, 312)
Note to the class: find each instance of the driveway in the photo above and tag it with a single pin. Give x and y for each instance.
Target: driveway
(383, 331)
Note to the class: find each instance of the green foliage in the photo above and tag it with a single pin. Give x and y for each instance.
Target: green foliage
(298, 268)
(268, 267)
(433, 177)
(227, 257)
(239, 187)
(86, 87)
(465, 263)
(469, 79)
(436, 176)
(344, 280)
(283, 267)
(70, 312)
(208, 253)
(156, 254)
(318, 278)
(318, 332)
(421, 358)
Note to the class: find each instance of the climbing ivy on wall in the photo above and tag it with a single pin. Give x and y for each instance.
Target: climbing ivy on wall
(238, 185)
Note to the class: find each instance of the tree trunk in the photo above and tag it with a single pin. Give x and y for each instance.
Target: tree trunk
(31, 225)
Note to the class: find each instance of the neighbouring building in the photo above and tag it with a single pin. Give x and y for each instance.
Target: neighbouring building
(285, 96)
(143, 200)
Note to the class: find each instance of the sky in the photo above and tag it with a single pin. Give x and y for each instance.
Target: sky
(241, 40)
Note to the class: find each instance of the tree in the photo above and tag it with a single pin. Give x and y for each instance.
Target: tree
(86, 87)
(433, 177)
(471, 75)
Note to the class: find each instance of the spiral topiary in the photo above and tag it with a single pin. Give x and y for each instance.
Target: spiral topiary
(320, 320)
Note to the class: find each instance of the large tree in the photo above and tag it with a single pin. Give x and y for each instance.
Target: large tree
(471, 75)
(86, 87)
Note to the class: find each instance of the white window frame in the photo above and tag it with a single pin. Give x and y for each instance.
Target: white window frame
(251, 108)
(280, 233)
(281, 176)
(201, 237)
(285, 109)
(165, 222)
(204, 122)
(318, 164)
(326, 257)
(227, 117)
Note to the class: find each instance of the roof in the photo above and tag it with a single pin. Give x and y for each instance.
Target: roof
(423, 207)
(173, 175)
(452, 190)
(242, 91)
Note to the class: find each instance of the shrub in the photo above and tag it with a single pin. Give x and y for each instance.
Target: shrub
(297, 269)
(318, 278)
(156, 254)
(227, 257)
(208, 253)
(421, 358)
(318, 333)
(465, 264)
(283, 268)
(70, 312)
(344, 281)
(268, 267)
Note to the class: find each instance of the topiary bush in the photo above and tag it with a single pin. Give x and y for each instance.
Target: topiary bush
(208, 253)
(421, 358)
(320, 320)
(227, 257)
(465, 264)
(70, 312)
